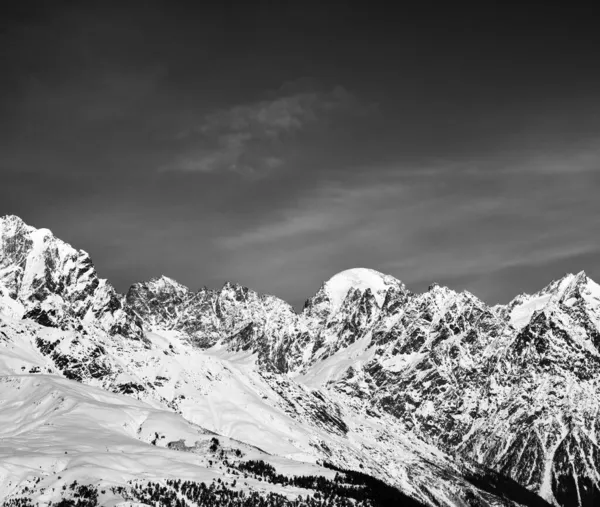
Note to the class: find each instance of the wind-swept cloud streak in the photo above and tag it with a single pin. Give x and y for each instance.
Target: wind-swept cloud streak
(427, 228)
(251, 138)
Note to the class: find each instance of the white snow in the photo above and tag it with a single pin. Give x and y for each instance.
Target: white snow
(61, 431)
(9, 306)
(338, 286)
(592, 293)
(331, 368)
(521, 314)
(402, 361)
(594, 289)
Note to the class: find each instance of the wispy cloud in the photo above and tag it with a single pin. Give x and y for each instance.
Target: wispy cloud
(328, 209)
(251, 138)
(445, 226)
(582, 158)
(575, 159)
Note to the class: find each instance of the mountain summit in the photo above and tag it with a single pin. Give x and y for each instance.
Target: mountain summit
(56, 284)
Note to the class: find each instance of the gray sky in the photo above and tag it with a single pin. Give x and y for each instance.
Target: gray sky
(277, 144)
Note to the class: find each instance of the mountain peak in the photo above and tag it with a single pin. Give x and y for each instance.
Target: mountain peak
(11, 225)
(580, 279)
(167, 281)
(14, 227)
(234, 286)
(567, 284)
(338, 286)
(56, 283)
(11, 218)
(580, 285)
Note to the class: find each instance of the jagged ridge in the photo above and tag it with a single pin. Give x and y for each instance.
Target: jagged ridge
(514, 387)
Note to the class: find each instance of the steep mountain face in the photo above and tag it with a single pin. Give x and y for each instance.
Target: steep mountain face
(515, 388)
(556, 355)
(368, 376)
(234, 315)
(339, 314)
(56, 284)
(345, 309)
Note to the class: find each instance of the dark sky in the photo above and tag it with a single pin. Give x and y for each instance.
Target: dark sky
(277, 143)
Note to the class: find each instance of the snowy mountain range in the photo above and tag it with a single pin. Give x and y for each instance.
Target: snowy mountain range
(447, 400)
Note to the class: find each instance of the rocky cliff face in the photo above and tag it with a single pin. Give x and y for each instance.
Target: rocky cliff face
(514, 388)
(56, 284)
(342, 311)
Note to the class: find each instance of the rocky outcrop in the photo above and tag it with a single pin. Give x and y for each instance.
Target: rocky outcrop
(56, 284)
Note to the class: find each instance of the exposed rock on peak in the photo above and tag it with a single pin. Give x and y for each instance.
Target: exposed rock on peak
(361, 279)
(57, 284)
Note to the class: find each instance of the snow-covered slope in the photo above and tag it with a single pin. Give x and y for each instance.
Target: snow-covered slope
(54, 432)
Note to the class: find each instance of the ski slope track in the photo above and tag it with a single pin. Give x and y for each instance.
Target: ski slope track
(448, 400)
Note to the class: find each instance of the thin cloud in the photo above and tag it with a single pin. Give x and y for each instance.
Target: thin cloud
(575, 159)
(422, 230)
(252, 138)
(331, 208)
(579, 159)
